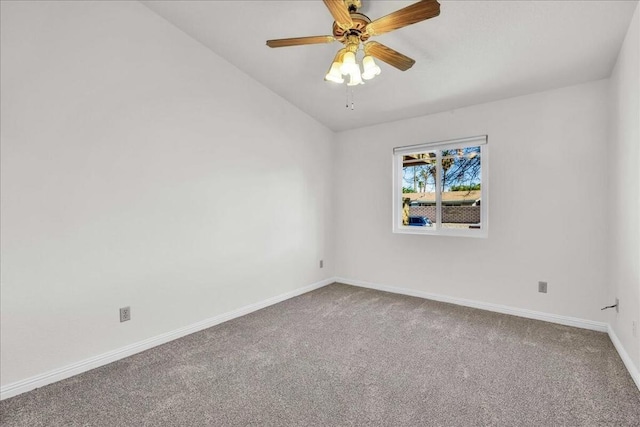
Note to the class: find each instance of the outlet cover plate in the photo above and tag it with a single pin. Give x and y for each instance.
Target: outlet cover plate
(542, 287)
(125, 314)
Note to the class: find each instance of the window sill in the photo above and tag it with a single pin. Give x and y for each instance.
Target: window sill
(471, 232)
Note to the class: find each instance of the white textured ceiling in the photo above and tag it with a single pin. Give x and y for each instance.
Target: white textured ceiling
(474, 52)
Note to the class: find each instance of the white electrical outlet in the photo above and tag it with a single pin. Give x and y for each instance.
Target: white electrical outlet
(125, 314)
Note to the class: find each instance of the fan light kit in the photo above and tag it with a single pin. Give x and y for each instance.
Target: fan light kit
(353, 29)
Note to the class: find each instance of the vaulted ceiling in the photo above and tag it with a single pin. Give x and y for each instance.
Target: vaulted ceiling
(474, 52)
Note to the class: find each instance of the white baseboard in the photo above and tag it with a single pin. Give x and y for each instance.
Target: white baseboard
(41, 380)
(520, 312)
(631, 367)
(530, 314)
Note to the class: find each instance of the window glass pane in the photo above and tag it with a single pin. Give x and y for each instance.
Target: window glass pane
(419, 190)
(461, 183)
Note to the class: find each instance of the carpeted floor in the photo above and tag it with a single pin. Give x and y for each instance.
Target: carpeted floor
(343, 355)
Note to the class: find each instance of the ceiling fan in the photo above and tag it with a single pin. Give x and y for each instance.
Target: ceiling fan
(353, 29)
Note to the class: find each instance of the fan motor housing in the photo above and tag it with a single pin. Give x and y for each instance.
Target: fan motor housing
(360, 23)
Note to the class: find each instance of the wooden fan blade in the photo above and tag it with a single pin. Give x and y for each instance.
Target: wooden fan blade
(388, 55)
(299, 41)
(416, 12)
(340, 13)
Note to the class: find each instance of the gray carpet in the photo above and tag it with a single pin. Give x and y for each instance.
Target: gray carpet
(343, 355)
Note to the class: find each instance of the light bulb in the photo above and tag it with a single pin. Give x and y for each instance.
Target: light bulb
(370, 68)
(348, 63)
(356, 77)
(334, 74)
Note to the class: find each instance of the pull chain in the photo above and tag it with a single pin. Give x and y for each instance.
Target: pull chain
(347, 96)
(352, 102)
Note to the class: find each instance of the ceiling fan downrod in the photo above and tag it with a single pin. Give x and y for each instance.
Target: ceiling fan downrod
(353, 5)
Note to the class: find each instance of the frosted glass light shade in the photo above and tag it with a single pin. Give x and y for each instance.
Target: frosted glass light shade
(348, 63)
(370, 68)
(334, 74)
(356, 77)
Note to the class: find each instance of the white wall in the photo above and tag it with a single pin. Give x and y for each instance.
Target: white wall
(547, 220)
(139, 168)
(624, 190)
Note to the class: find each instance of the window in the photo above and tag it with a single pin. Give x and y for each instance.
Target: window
(441, 188)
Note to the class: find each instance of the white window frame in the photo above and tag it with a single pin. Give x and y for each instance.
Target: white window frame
(437, 229)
